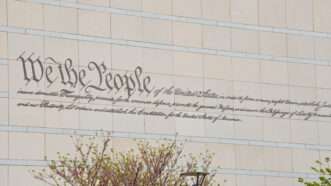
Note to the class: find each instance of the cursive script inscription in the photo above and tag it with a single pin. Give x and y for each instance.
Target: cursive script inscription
(194, 107)
(132, 111)
(35, 69)
(96, 78)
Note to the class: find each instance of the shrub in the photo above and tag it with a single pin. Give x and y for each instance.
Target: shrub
(96, 164)
(323, 169)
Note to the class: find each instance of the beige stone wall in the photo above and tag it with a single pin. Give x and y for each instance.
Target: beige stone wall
(268, 49)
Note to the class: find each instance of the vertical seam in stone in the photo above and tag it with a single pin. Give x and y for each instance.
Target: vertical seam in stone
(44, 109)
(8, 87)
